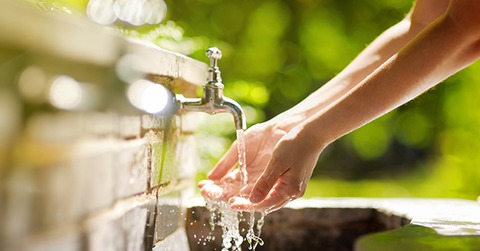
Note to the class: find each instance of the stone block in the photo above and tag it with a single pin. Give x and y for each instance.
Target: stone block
(131, 168)
(65, 239)
(157, 151)
(17, 207)
(95, 177)
(155, 141)
(168, 164)
(175, 242)
(59, 196)
(122, 227)
(170, 159)
(54, 128)
(150, 206)
(105, 233)
(154, 60)
(164, 158)
(154, 122)
(68, 191)
(98, 125)
(187, 158)
(130, 127)
(192, 71)
(162, 135)
(170, 215)
(134, 224)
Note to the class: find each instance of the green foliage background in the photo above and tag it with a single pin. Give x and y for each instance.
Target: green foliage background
(277, 52)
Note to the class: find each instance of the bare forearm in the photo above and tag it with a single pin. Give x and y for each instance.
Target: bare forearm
(437, 52)
(382, 48)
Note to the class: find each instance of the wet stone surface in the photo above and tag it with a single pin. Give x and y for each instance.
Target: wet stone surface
(298, 229)
(359, 224)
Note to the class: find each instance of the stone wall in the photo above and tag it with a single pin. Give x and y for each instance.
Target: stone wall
(100, 175)
(115, 184)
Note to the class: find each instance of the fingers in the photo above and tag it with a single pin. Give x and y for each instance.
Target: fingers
(276, 187)
(202, 183)
(228, 161)
(263, 185)
(241, 204)
(267, 180)
(280, 195)
(209, 189)
(221, 189)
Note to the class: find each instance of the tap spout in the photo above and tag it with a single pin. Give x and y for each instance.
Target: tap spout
(237, 112)
(224, 105)
(213, 101)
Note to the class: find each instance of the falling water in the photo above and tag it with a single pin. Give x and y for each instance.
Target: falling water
(222, 215)
(252, 238)
(242, 158)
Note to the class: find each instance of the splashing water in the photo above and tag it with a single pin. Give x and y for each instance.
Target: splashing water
(252, 238)
(222, 215)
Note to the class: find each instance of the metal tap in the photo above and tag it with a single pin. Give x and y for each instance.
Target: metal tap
(213, 101)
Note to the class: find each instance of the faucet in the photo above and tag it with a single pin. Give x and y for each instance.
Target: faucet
(213, 101)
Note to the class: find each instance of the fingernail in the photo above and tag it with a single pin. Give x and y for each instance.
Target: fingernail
(255, 197)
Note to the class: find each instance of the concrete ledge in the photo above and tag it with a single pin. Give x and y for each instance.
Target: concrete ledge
(337, 223)
(175, 242)
(77, 39)
(445, 216)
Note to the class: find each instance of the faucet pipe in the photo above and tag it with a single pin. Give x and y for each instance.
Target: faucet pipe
(213, 101)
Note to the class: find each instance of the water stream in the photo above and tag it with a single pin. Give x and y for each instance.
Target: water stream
(252, 238)
(223, 216)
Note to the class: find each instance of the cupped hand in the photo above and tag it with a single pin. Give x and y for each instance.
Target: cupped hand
(224, 181)
(279, 166)
(285, 177)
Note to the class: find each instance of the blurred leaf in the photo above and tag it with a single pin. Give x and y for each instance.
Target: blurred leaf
(414, 128)
(372, 140)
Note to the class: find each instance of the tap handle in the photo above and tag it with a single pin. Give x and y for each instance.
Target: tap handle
(214, 72)
(214, 54)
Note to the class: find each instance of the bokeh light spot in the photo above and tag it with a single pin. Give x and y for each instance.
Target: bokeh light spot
(65, 93)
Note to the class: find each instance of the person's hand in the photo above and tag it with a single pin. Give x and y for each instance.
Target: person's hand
(224, 182)
(285, 177)
(279, 166)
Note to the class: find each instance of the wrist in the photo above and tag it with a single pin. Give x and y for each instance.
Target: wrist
(286, 122)
(307, 139)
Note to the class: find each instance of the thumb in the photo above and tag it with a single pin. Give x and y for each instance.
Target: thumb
(264, 184)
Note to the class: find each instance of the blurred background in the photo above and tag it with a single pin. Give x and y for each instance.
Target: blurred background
(277, 52)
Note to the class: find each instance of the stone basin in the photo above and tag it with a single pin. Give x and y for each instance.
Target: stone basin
(360, 224)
